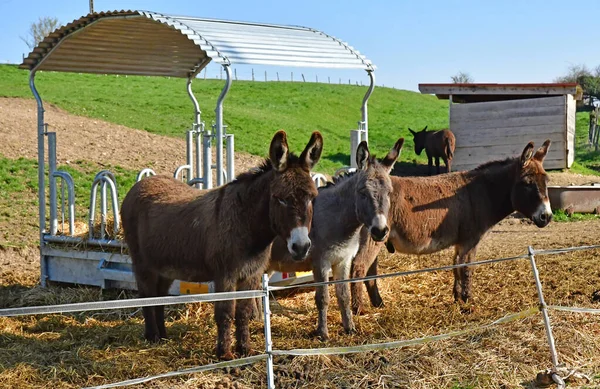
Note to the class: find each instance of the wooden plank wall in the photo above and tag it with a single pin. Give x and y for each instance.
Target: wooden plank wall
(496, 130)
(571, 121)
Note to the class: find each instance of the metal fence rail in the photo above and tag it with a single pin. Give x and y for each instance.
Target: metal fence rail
(554, 372)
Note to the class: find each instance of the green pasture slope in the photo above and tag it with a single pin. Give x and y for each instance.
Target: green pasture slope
(252, 110)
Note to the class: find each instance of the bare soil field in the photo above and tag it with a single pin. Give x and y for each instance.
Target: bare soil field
(77, 350)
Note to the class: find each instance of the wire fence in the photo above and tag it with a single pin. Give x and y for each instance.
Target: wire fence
(557, 372)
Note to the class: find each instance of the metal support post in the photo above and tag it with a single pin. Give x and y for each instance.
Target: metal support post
(268, 341)
(198, 134)
(41, 177)
(52, 182)
(207, 160)
(229, 144)
(544, 309)
(189, 150)
(219, 125)
(364, 108)
(355, 139)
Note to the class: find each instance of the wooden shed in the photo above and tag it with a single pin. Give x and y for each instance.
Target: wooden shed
(495, 121)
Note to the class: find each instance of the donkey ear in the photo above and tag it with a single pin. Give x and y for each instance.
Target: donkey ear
(278, 152)
(362, 156)
(394, 153)
(540, 154)
(425, 129)
(312, 153)
(411, 131)
(527, 154)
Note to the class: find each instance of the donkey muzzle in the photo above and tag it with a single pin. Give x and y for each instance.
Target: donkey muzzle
(543, 215)
(299, 243)
(379, 229)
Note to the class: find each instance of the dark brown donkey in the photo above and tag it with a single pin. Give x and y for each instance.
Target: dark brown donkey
(437, 144)
(223, 235)
(429, 214)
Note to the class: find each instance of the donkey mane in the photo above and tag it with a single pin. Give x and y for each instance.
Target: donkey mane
(344, 176)
(497, 163)
(265, 167)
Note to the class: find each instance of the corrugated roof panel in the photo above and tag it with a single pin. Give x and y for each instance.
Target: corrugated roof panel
(148, 43)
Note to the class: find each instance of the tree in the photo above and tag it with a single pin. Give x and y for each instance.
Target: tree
(587, 79)
(39, 30)
(462, 78)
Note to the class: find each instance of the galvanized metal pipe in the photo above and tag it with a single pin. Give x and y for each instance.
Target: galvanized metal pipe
(179, 170)
(544, 310)
(68, 179)
(207, 159)
(229, 142)
(267, 328)
(52, 181)
(77, 241)
(219, 122)
(146, 172)
(101, 179)
(41, 176)
(189, 150)
(198, 138)
(364, 109)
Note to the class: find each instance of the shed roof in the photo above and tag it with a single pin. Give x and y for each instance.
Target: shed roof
(150, 43)
(469, 93)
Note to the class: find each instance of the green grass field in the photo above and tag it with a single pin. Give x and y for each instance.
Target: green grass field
(252, 110)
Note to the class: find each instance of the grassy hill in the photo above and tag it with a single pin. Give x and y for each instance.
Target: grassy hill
(253, 110)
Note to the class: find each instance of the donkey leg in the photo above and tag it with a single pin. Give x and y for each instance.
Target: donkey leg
(147, 287)
(457, 290)
(448, 163)
(159, 311)
(430, 163)
(322, 301)
(437, 164)
(357, 271)
(243, 312)
(467, 273)
(367, 253)
(224, 311)
(372, 287)
(341, 271)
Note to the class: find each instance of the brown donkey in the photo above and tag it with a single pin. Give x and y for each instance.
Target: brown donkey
(437, 144)
(429, 214)
(223, 235)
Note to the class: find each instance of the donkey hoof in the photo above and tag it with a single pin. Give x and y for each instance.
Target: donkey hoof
(357, 311)
(378, 303)
(244, 351)
(350, 331)
(321, 335)
(228, 356)
(153, 338)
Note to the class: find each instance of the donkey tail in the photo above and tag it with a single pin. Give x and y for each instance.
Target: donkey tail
(449, 152)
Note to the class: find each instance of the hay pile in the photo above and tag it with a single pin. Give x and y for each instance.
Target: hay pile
(66, 351)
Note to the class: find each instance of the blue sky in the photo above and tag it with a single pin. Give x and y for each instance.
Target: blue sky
(410, 42)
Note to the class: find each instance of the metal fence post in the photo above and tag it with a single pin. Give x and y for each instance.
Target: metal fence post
(544, 309)
(268, 341)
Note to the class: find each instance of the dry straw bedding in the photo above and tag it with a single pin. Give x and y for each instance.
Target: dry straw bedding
(66, 351)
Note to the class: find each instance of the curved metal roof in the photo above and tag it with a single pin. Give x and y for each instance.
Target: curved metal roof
(149, 43)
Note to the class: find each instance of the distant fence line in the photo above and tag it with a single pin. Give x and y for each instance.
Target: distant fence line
(556, 373)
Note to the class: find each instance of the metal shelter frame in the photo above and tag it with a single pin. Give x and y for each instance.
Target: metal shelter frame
(153, 44)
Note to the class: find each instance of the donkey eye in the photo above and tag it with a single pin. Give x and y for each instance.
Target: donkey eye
(282, 202)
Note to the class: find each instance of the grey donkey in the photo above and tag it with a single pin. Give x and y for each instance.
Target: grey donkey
(341, 209)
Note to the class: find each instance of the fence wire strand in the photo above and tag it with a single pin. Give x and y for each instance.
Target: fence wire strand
(198, 369)
(404, 343)
(399, 274)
